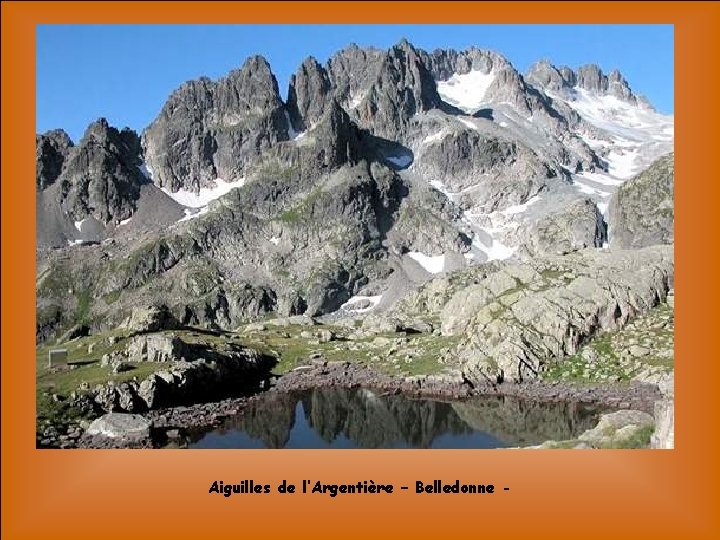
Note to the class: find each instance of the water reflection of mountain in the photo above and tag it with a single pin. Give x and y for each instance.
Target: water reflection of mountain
(364, 419)
(380, 422)
(522, 422)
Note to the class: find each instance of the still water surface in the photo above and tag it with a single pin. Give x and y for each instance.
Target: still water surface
(339, 418)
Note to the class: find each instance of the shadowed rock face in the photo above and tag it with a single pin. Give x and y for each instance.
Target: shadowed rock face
(52, 149)
(642, 212)
(208, 130)
(101, 176)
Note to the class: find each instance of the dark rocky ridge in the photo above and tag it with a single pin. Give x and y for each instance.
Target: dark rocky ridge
(98, 178)
(208, 130)
(53, 149)
(308, 95)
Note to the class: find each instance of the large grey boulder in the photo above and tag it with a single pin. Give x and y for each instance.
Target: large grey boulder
(150, 319)
(155, 348)
(575, 226)
(621, 429)
(641, 211)
(120, 425)
(512, 319)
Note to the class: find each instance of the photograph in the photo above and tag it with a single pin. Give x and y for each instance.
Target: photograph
(354, 236)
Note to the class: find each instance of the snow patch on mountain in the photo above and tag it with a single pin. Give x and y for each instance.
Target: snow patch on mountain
(434, 137)
(620, 118)
(434, 265)
(203, 197)
(146, 171)
(467, 122)
(520, 208)
(292, 134)
(466, 91)
(361, 304)
(356, 100)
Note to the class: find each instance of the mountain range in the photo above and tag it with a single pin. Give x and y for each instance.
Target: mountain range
(382, 170)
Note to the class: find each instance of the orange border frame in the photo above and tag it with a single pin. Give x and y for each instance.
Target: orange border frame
(116, 494)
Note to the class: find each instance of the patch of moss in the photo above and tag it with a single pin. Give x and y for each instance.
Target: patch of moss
(112, 297)
(301, 209)
(290, 216)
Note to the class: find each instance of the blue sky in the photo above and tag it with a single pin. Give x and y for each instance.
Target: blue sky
(126, 72)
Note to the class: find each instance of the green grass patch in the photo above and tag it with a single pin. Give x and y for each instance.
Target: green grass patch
(84, 300)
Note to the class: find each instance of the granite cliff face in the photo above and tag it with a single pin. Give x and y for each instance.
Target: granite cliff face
(642, 210)
(386, 179)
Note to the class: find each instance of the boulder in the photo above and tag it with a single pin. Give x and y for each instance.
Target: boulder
(119, 425)
(150, 319)
(621, 429)
(155, 348)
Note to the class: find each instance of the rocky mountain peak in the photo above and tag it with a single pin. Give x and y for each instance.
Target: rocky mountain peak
(252, 89)
(209, 130)
(402, 88)
(444, 63)
(591, 78)
(544, 75)
(352, 71)
(101, 177)
(619, 87)
(308, 94)
(99, 129)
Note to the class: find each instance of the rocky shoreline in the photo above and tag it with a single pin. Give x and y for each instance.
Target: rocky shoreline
(170, 424)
